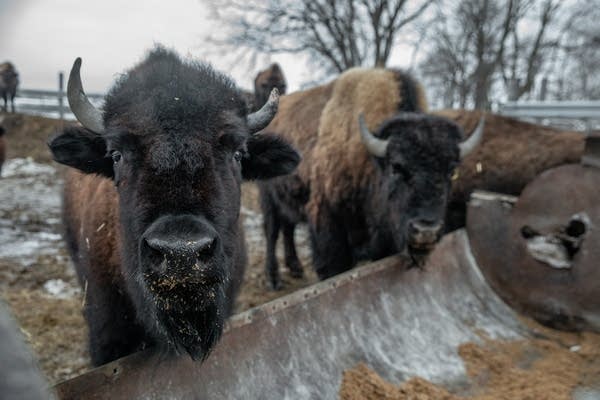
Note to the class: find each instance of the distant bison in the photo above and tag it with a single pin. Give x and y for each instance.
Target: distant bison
(2, 144)
(264, 82)
(510, 156)
(365, 194)
(267, 80)
(152, 216)
(9, 80)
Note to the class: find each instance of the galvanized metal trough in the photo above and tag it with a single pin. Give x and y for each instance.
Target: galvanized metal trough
(400, 322)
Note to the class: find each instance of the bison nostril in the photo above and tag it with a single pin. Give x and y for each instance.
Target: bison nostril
(203, 247)
(178, 248)
(426, 226)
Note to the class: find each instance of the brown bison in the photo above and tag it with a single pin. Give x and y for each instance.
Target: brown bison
(152, 216)
(268, 80)
(265, 81)
(510, 156)
(9, 80)
(369, 186)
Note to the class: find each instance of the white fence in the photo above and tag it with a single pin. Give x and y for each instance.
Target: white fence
(50, 103)
(548, 112)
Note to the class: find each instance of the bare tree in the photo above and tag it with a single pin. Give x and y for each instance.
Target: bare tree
(575, 74)
(478, 41)
(525, 58)
(337, 34)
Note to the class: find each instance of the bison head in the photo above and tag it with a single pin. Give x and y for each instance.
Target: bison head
(176, 140)
(416, 155)
(266, 81)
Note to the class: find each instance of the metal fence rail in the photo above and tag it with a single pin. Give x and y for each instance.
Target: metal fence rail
(586, 111)
(50, 103)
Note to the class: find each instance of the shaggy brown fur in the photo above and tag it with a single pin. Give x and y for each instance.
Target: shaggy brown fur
(512, 153)
(297, 120)
(92, 205)
(336, 169)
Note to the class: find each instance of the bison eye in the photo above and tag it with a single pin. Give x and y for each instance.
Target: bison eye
(237, 156)
(116, 156)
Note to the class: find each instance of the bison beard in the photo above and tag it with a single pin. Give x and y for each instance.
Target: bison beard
(152, 224)
(196, 329)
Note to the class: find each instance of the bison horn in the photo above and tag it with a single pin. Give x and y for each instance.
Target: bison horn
(89, 116)
(473, 141)
(376, 146)
(260, 119)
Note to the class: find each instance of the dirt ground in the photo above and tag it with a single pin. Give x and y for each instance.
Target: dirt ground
(37, 278)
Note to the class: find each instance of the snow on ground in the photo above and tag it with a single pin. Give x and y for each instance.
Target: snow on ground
(30, 225)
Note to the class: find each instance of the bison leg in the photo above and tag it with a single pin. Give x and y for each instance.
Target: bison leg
(271, 225)
(12, 104)
(291, 258)
(331, 251)
(113, 330)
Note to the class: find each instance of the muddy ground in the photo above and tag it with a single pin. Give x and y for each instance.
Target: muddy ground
(37, 278)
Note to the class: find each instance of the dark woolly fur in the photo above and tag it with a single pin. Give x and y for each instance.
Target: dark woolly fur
(8, 91)
(164, 269)
(408, 93)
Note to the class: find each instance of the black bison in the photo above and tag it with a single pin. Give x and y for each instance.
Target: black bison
(510, 156)
(369, 186)
(2, 144)
(9, 80)
(152, 214)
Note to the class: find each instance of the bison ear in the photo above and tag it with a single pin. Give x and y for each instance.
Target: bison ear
(82, 149)
(268, 156)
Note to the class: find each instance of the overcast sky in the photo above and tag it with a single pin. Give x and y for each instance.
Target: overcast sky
(42, 37)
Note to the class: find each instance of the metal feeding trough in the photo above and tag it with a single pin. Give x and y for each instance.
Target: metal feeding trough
(539, 253)
(401, 322)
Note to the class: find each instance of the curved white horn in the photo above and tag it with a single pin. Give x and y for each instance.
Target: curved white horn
(376, 146)
(84, 111)
(260, 119)
(473, 141)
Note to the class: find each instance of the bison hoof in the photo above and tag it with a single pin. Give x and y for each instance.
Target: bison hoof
(297, 273)
(274, 282)
(296, 270)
